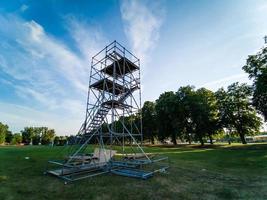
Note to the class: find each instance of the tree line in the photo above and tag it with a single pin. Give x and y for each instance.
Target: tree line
(197, 115)
(33, 136)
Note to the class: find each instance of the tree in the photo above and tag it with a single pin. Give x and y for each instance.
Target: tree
(9, 137)
(167, 106)
(225, 112)
(149, 121)
(3, 132)
(198, 115)
(36, 139)
(60, 140)
(27, 135)
(236, 111)
(205, 115)
(185, 96)
(71, 140)
(37, 135)
(47, 136)
(256, 67)
(56, 140)
(16, 139)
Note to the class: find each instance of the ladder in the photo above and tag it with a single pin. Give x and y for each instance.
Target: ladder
(98, 118)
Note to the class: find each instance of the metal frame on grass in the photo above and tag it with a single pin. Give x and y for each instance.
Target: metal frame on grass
(113, 121)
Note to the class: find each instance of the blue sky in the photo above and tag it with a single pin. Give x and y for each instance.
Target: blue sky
(46, 46)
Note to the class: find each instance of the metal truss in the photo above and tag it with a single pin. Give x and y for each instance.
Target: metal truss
(113, 121)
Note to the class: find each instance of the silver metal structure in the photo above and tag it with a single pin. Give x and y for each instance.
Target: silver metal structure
(110, 138)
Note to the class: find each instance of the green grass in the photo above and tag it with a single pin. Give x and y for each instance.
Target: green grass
(213, 172)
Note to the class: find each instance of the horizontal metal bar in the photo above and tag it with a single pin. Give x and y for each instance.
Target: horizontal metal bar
(88, 176)
(160, 159)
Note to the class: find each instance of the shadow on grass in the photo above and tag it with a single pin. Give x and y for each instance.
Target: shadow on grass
(256, 146)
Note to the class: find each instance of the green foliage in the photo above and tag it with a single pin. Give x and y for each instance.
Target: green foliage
(3, 132)
(60, 140)
(205, 114)
(16, 138)
(256, 67)
(105, 128)
(9, 137)
(37, 135)
(236, 112)
(186, 114)
(198, 114)
(71, 139)
(224, 108)
(149, 121)
(27, 135)
(56, 140)
(186, 97)
(36, 139)
(167, 110)
(47, 136)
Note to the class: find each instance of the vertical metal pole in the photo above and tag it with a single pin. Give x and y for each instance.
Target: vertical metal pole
(131, 111)
(87, 105)
(103, 90)
(113, 98)
(140, 102)
(123, 114)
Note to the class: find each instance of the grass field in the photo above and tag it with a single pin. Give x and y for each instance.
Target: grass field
(213, 172)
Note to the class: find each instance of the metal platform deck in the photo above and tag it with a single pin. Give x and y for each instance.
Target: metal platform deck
(122, 67)
(108, 86)
(133, 173)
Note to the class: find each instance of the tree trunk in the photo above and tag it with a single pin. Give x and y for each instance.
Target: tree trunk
(242, 137)
(240, 129)
(201, 141)
(174, 139)
(152, 140)
(211, 140)
(229, 136)
(189, 138)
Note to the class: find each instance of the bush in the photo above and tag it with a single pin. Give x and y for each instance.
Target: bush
(16, 139)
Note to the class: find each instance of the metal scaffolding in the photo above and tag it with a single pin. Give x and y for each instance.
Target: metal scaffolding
(110, 138)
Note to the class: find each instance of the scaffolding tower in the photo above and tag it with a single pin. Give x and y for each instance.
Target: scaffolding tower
(110, 138)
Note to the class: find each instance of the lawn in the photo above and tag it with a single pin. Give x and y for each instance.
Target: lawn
(213, 172)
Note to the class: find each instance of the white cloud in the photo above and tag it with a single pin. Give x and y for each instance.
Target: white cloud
(224, 82)
(32, 55)
(23, 8)
(88, 39)
(141, 26)
(45, 73)
(36, 30)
